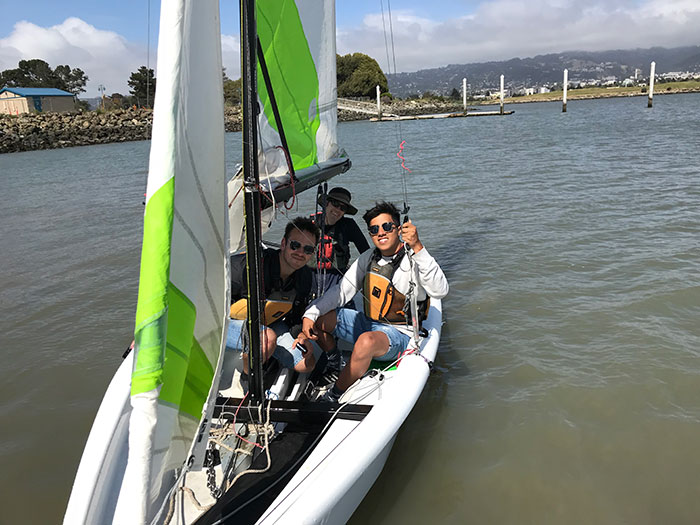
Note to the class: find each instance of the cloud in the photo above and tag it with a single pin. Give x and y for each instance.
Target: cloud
(106, 57)
(494, 30)
(503, 29)
(231, 55)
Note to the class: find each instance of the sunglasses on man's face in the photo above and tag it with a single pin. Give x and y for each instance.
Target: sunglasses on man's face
(308, 248)
(340, 205)
(387, 227)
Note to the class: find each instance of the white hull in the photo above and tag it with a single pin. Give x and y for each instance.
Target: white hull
(327, 488)
(98, 481)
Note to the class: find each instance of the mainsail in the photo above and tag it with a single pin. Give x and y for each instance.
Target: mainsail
(298, 99)
(182, 298)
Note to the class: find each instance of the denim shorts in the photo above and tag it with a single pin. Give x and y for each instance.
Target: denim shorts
(288, 356)
(351, 323)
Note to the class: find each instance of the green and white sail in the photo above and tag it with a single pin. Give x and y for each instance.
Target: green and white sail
(182, 301)
(298, 43)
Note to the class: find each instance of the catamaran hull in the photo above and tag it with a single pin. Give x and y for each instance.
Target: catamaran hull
(101, 470)
(327, 488)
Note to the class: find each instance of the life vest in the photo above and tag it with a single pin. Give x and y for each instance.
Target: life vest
(382, 301)
(277, 305)
(324, 252)
(324, 255)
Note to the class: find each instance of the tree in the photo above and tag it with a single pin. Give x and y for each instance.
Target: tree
(73, 80)
(143, 86)
(232, 92)
(30, 73)
(38, 73)
(455, 95)
(358, 75)
(116, 101)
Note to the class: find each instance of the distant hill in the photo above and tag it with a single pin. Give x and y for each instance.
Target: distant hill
(543, 69)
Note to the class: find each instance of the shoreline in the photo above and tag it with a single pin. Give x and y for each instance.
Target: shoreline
(31, 132)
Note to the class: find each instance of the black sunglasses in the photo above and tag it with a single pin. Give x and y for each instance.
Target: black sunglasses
(387, 227)
(340, 205)
(308, 249)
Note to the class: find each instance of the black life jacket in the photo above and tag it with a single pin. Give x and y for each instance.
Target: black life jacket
(382, 301)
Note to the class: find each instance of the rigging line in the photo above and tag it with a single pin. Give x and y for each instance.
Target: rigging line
(265, 431)
(148, 52)
(386, 44)
(413, 288)
(391, 29)
(397, 127)
(321, 199)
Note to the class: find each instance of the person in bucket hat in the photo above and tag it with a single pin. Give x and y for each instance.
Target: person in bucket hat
(333, 254)
(340, 198)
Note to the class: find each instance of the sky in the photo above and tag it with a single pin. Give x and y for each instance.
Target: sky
(110, 40)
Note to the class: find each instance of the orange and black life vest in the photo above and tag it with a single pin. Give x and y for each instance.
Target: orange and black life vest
(382, 301)
(283, 299)
(277, 305)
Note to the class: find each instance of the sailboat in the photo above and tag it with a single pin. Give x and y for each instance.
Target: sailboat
(177, 439)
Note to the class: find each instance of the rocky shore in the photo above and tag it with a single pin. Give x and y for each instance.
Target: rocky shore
(61, 130)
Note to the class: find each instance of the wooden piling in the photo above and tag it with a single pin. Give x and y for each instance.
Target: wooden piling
(379, 103)
(464, 93)
(502, 94)
(566, 86)
(652, 74)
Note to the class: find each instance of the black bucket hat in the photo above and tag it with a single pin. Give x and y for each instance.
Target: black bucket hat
(344, 196)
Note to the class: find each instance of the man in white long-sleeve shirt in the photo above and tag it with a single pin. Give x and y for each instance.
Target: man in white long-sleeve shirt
(382, 331)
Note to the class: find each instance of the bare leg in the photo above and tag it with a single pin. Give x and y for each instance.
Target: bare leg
(368, 346)
(269, 343)
(307, 364)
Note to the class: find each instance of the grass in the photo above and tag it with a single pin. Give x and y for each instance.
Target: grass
(599, 92)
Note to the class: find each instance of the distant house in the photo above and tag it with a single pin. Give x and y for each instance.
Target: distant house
(16, 101)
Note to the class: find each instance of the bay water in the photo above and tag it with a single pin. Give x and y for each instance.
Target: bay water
(567, 385)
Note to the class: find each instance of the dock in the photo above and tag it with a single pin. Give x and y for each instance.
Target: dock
(368, 108)
(442, 115)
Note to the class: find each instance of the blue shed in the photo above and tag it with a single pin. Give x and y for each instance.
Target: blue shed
(19, 100)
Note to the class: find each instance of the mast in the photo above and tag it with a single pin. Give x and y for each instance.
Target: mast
(251, 201)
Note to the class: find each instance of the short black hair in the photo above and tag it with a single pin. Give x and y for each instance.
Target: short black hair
(382, 207)
(304, 224)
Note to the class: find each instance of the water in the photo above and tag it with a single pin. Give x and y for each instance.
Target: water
(566, 387)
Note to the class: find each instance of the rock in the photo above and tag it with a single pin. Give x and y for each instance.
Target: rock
(54, 130)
